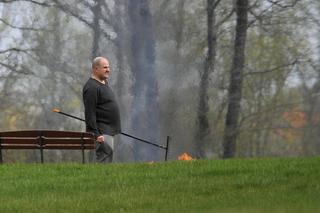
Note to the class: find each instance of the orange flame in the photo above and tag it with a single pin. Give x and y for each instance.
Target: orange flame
(185, 156)
(56, 110)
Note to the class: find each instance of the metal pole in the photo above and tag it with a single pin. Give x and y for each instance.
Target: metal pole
(122, 133)
(82, 147)
(80, 119)
(167, 148)
(1, 161)
(41, 147)
(139, 139)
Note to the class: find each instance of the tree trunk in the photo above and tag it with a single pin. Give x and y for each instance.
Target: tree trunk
(96, 10)
(171, 121)
(145, 87)
(119, 26)
(203, 108)
(235, 87)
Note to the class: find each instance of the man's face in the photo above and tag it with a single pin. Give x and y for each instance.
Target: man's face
(102, 70)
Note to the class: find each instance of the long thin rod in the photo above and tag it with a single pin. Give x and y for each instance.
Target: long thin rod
(80, 119)
(142, 140)
(167, 148)
(130, 136)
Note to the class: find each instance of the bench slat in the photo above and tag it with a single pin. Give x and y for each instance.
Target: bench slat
(63, 146)
(56, 146)
(67, 134)
(25, 133)
(67, 141)
(19, 140)
(46, 133)
(24, 146)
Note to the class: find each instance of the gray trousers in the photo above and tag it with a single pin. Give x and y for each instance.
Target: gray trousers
(104, 150)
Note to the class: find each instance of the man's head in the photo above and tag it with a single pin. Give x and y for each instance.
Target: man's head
(100, 68)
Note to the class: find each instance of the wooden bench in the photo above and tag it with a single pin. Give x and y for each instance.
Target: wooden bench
(46, 139)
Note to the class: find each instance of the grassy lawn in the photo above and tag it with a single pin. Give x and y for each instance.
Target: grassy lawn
(246, 185)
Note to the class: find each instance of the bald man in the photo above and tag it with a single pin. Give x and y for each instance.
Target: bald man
(101, 110)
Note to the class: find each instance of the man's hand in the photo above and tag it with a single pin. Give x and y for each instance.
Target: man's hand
(100, 139)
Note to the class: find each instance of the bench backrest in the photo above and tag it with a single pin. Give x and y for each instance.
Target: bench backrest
(46, 139)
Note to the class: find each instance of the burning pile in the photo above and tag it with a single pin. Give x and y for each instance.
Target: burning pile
(185, 157)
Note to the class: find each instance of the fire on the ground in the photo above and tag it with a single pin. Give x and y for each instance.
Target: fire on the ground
(185, 157)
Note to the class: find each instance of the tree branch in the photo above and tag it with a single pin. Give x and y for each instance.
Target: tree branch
(260, 17)
(24, 71)
(216, 4)
(225, 18)
(44, 4)
(21, 28)
(272, 69)
(15, 49)
(66, 8)
(277, 3)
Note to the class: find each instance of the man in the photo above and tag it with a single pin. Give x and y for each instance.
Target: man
(101, 110)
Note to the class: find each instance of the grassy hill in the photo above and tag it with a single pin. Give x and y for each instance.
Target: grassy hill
(240, 185)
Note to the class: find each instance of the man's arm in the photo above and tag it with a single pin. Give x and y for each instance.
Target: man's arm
(90, 98)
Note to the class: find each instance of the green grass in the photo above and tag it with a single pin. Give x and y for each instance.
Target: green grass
(257, 185)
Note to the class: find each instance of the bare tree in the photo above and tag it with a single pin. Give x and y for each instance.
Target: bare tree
(145, 88)
(203, 107)
(236, 76)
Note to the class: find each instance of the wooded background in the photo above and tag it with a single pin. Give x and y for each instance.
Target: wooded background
(232, 78)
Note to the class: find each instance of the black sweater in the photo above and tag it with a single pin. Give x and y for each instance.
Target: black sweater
(101, 109)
